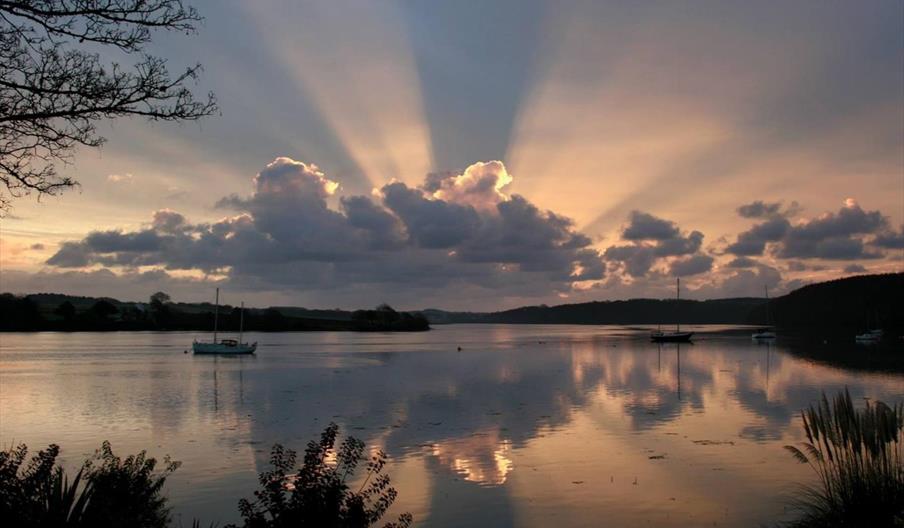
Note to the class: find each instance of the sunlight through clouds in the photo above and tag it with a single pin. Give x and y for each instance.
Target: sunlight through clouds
(360, 72)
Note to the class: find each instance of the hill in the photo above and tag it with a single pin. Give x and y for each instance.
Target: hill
(850, 303)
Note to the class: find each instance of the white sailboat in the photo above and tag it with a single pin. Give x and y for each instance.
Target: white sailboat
(677, 336)
(765, 334)
(870, 337)
(224, 346)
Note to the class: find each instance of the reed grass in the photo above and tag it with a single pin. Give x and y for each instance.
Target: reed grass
(858, 457)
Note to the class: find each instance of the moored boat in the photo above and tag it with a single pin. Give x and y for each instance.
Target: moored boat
(671, 337)
(677, 336)
(224, 346)
(766, 333)
(869, 337)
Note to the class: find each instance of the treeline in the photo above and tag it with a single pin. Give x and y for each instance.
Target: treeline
(849, 304)
(54, 312)
(634, 311)
(861, 302)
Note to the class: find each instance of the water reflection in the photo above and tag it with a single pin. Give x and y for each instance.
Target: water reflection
(525, 426)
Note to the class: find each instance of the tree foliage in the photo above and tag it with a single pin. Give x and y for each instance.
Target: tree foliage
(107, 491)
(320, 494)
(55, 86)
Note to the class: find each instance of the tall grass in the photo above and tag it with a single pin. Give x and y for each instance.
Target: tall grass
(858, 457)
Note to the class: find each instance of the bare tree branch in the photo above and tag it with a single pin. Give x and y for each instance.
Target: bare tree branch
(53, 91)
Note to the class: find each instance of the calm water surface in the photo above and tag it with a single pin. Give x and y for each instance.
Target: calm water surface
(525, 426)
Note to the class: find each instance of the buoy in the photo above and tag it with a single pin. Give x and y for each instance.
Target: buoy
(459, 349)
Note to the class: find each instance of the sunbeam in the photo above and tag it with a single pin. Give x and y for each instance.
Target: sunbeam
(360, 72)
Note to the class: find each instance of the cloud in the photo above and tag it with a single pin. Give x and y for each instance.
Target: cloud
(834, 236)
(652, 239)
(753, 242)
(741, 262)
(854, 268)
(644, 226)
(480, 185)
(636, 260)
(744, 283)
(455, 230)
(692, 265)
(120, 178)
(796, 265)
(168, 221)
(890, 239)
(831, 236)
(36, 247)
(759, 209)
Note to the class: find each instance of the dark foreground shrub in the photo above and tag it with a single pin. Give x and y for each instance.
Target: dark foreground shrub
(859, 460)
(320, 494)
(108, 491)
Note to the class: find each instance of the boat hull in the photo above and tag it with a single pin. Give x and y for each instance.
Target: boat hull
(223, 349)
(763, 336)
(671, 337)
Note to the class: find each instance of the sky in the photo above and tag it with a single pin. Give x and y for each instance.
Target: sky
(482, 155)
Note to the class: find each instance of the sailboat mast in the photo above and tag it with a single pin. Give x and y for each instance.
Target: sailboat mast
(678, 304)
(241, 321)
(216, 315)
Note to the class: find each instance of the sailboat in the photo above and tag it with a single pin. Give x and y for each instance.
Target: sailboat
(870, 337)
(224, 346)
(765, 334)
(677, 336)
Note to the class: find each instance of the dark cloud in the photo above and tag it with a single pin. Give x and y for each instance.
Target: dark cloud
(680, 245)
(741, 262)
(753, 242)
(854, 268)
(834, 236)
(759, 209)
(168, 221)
(654, 238)
(692, 265)
(637, 260)
(454, 231)
(644, 226)
(36, 247)
(831, 236)
(890, 239)
(430, 223)
(70, 255)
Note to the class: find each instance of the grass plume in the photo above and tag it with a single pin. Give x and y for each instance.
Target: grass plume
(857, 457)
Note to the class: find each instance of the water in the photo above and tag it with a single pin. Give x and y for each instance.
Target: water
(525, 426)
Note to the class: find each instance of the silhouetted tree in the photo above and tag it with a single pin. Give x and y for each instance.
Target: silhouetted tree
(319, 494)
(19, 313)
(159, 309)
(103, 309)
(54, 86)
(160, 298)
(65, 310)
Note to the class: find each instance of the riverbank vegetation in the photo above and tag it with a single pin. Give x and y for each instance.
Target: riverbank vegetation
(107, 491)
(54, 312)
(127, 493)
(858, 457)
